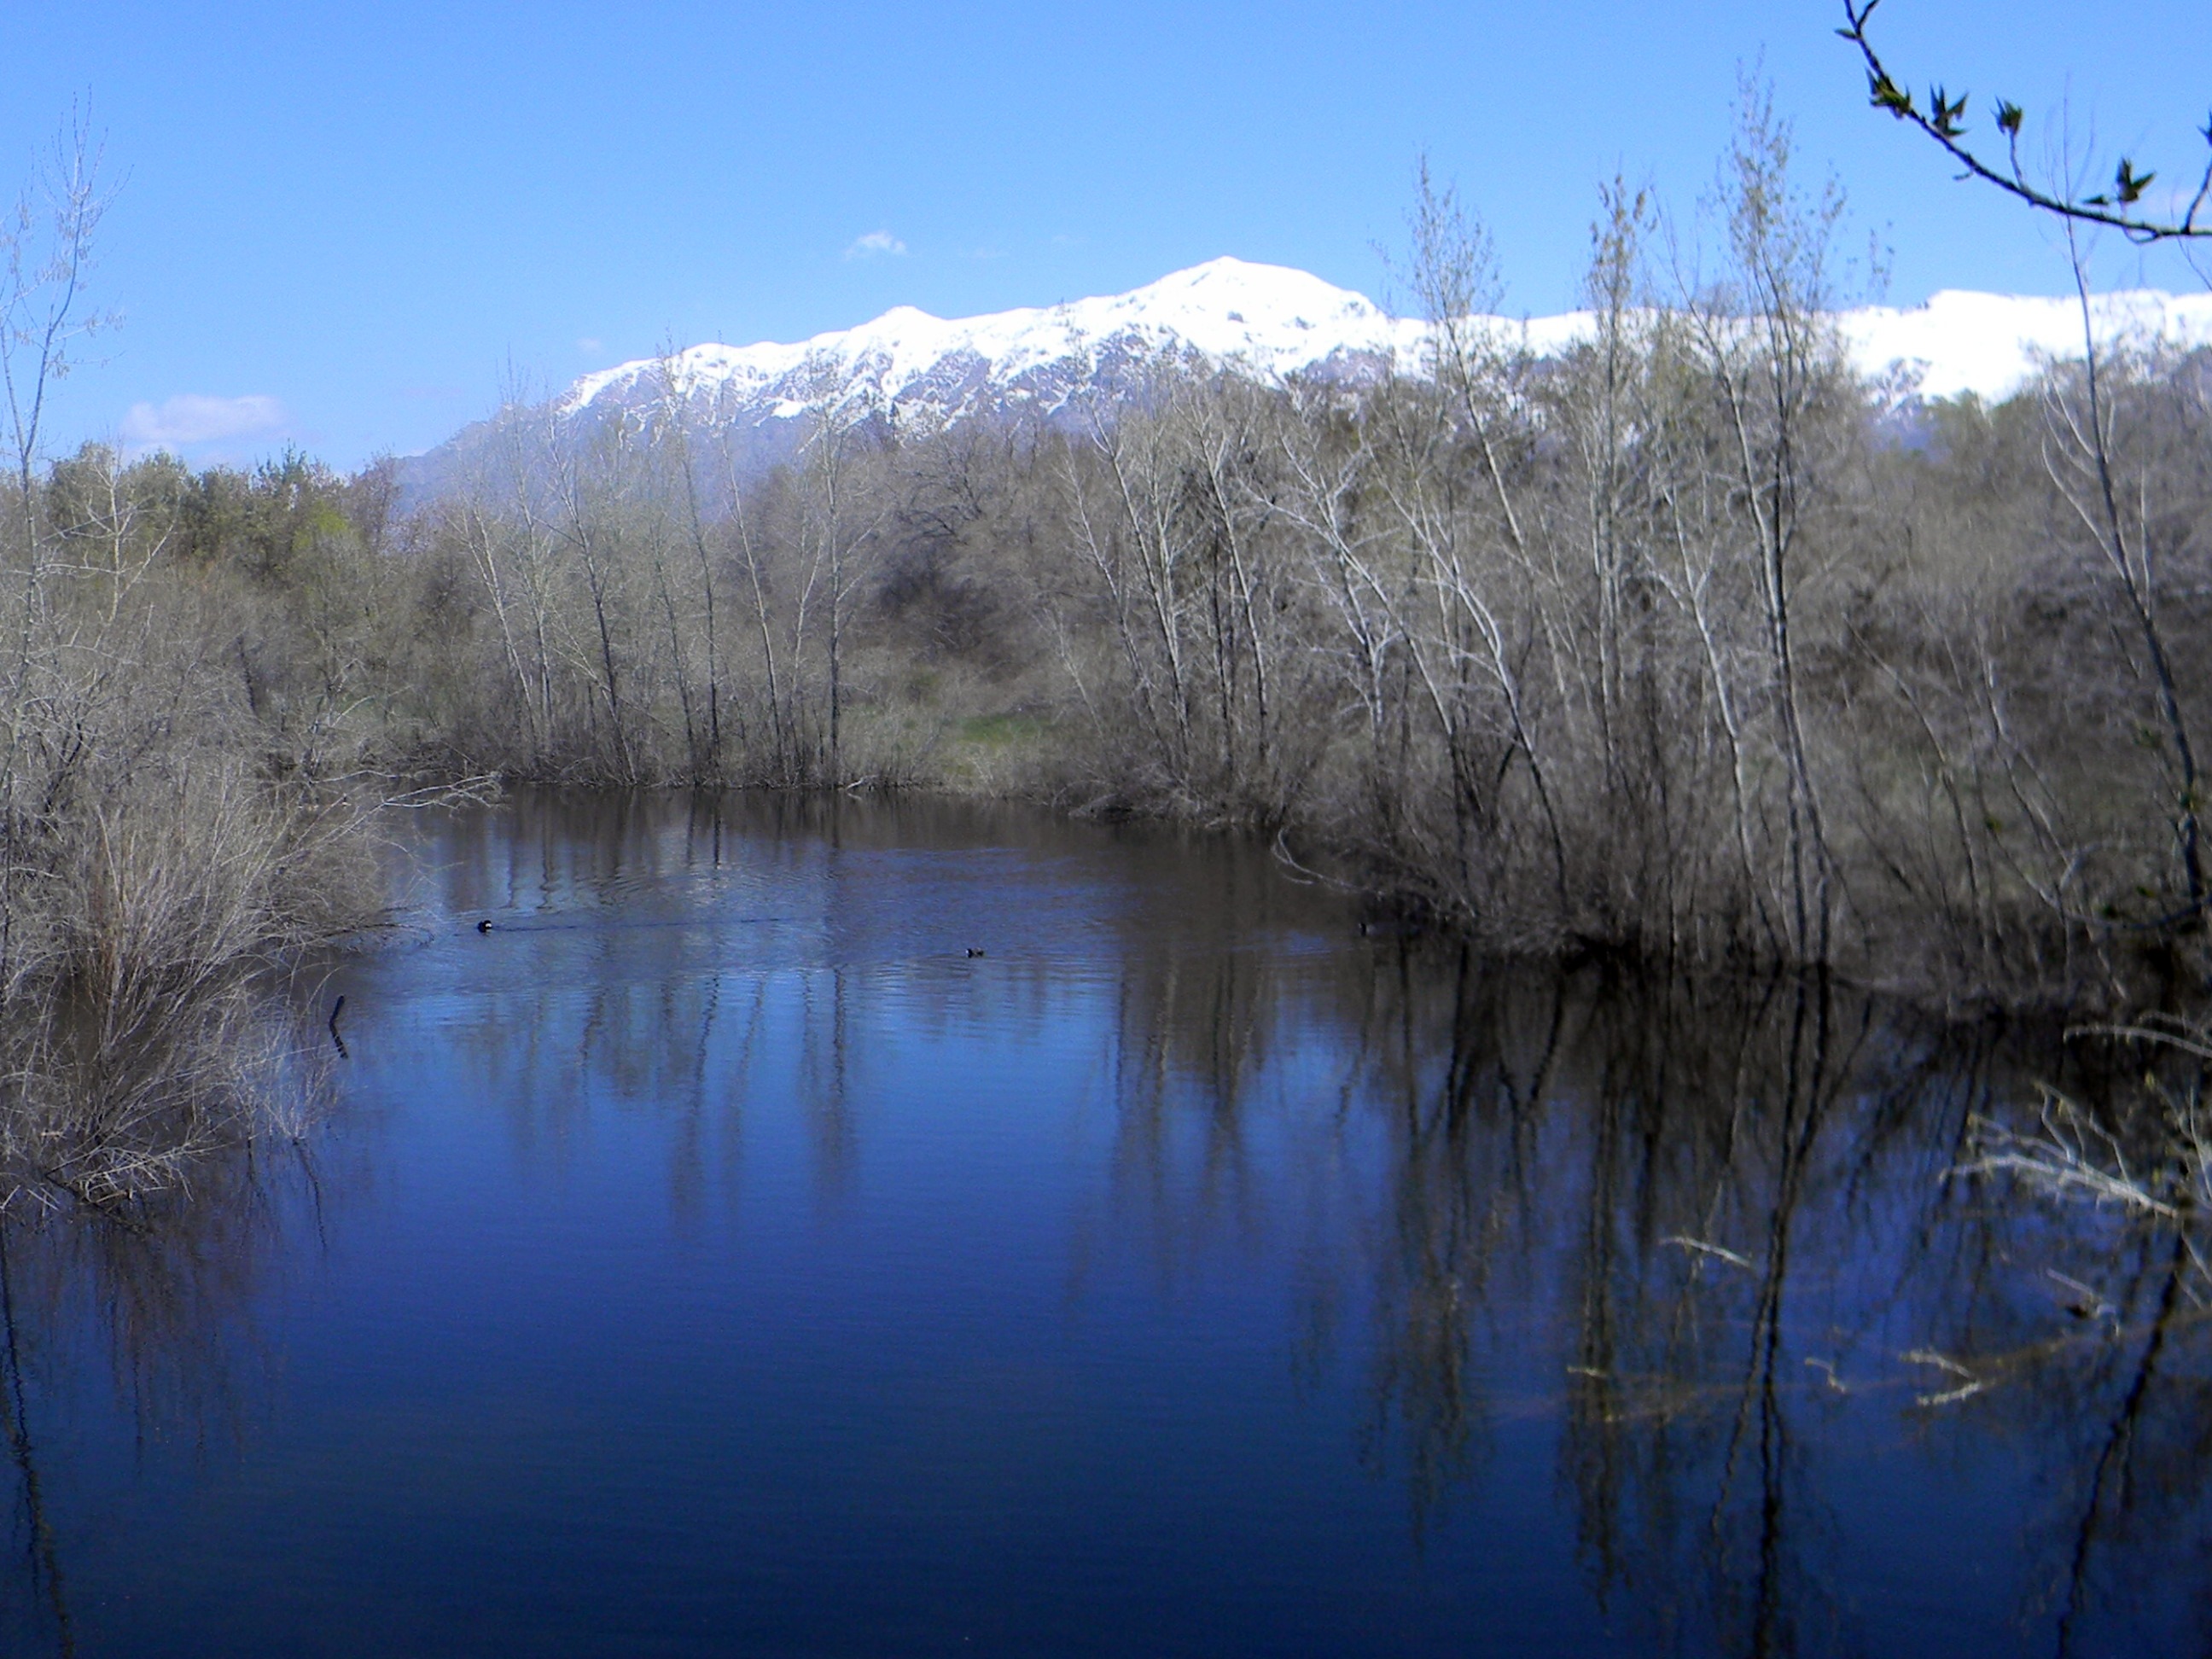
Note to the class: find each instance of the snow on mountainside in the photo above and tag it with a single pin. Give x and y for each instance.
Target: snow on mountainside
(1268, 320)
(1991, 344)
(1264, 320)
(1272, 322)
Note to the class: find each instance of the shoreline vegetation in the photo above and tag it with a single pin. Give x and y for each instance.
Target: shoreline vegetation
(1688, 648)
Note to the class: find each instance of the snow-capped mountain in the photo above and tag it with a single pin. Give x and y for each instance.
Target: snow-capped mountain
(1270, 322)
(1273, 322)
(1267, 320)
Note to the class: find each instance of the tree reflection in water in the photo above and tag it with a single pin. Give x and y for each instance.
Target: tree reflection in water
(147, 1311)
(1699, 1241)
(1768, 1264)
(1729, 1209)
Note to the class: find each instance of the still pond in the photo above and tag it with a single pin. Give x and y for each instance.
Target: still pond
(715, 1257)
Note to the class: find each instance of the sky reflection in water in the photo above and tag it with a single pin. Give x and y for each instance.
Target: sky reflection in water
(713, 1258)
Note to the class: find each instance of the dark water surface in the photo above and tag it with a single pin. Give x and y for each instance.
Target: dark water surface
(714, 1259)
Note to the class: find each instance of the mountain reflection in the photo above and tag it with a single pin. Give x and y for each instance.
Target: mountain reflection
(1698, 1242)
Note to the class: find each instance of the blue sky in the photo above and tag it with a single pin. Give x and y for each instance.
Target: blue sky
(360, 215)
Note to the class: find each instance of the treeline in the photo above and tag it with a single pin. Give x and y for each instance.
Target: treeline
(1685, 643)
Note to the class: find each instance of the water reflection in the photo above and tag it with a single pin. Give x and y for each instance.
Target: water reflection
(1676, 1272)
(127, 1336)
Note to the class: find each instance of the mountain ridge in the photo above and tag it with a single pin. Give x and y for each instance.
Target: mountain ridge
(1268, 321)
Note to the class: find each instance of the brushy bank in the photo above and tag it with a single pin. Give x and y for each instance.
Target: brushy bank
(162, 854)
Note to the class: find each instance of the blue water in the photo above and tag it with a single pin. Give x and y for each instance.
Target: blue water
(716, 1258)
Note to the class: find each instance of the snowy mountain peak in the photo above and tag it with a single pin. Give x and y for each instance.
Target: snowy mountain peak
(1268, 322)
(1271, 321)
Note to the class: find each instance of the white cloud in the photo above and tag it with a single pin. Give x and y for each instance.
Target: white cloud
(875, 242)
(590, 347)
(191, 418)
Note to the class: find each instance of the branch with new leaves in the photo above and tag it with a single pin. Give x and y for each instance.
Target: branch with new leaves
(1943, 119)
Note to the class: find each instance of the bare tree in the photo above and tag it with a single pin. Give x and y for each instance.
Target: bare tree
(46, 261)
(1773, 358)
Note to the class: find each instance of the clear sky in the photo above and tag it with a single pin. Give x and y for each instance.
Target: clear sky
(340, 223)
